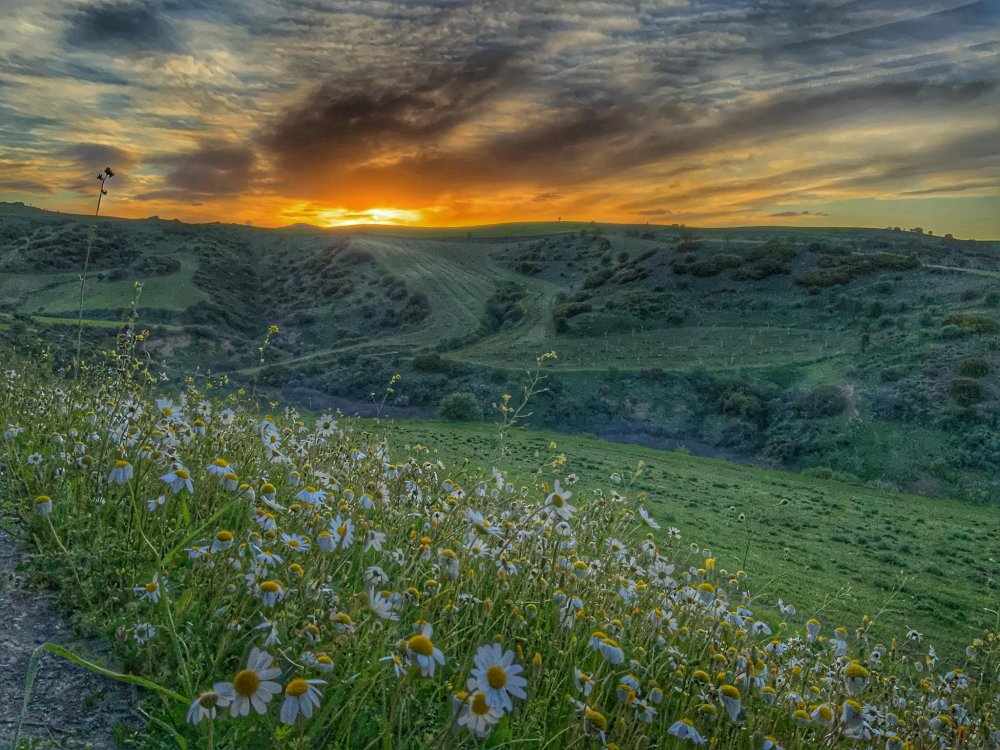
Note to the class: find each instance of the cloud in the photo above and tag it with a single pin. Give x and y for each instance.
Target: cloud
(455, 109)
(783, 214)
(24, 186)
(652, 212)
(215, 168)
(94, 156)
(337, 127)
(129, 26)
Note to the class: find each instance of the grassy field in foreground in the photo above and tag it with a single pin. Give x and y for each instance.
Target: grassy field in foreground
(834, 550)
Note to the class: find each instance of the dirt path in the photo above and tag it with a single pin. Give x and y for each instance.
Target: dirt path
(70, 707)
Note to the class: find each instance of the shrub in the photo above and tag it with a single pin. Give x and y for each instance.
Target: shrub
(503, 308)
(967, 392)
(714, 265)
(973, 368)
(459, 407)
(431, 362)
(825, 401)
(972, 323)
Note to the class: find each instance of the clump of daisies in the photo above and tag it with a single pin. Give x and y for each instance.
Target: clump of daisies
(283, 576)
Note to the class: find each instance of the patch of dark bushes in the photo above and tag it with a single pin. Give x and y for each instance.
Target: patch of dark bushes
(973, 368)
(825, 401)
(967, 392)
(972, 323)
(503, 308)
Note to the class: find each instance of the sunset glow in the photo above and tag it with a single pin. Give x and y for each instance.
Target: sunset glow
(662, 111)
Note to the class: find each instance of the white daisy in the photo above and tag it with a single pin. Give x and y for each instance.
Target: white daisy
(301, 697)
(644, 514)
(121, 474)
(421, 650)
(498, 676)
(178, 479)
(253, 686)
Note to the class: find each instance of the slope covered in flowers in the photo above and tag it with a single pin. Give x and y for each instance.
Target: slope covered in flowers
(286, 582)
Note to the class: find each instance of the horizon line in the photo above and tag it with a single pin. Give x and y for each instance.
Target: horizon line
(579, 223)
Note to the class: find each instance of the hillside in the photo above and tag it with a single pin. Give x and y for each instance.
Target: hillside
(834, 550)
(869, 354)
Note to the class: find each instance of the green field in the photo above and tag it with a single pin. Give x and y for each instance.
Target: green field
(712, 347)
(836, 551)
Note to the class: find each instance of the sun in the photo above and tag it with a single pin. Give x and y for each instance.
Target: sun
(340, 217)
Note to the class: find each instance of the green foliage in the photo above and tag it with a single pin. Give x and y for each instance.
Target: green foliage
(973, 368)
(967, 392)
(504, 308)
(837, 270)
(459, 407)
(972, 323)
(825, 401)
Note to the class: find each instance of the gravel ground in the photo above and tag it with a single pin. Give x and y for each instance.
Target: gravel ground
(70, 707)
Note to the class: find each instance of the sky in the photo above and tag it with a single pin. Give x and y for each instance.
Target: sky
(439, 112)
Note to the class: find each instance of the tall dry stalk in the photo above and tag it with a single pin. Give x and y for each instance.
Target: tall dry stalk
(103, 178)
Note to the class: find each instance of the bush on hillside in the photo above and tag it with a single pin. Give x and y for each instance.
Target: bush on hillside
(967, 392)
(973, 368)
(459, 407)
(825, 401)
(972, 323)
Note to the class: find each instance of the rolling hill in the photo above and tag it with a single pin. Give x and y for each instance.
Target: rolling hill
(866, 354)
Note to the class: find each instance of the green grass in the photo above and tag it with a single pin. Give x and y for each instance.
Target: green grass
(681, 348)
(176, 291)
(835, 550)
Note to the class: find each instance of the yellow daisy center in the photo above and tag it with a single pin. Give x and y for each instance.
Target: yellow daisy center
(121, 464)
(496, 676)
(246, 683)
(269, 587)
(151, 587)
(182, 474)
(596, 718)
(479, 705)
(41, 499)
(208, 699)
(224, 536)
(296, 687)
(421, 644)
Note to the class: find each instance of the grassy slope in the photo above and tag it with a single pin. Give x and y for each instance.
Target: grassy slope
(834, 550)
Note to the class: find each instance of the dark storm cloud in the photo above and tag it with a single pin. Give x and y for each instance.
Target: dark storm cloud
(784, 214)
(215, 168)
(88, 159)
(342, 126)
(125, 25)
(331, 134)
(95, 156)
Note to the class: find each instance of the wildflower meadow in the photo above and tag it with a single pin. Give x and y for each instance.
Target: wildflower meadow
(272, 579)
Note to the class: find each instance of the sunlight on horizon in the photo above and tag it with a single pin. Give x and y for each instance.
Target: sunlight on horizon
(342, 217)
